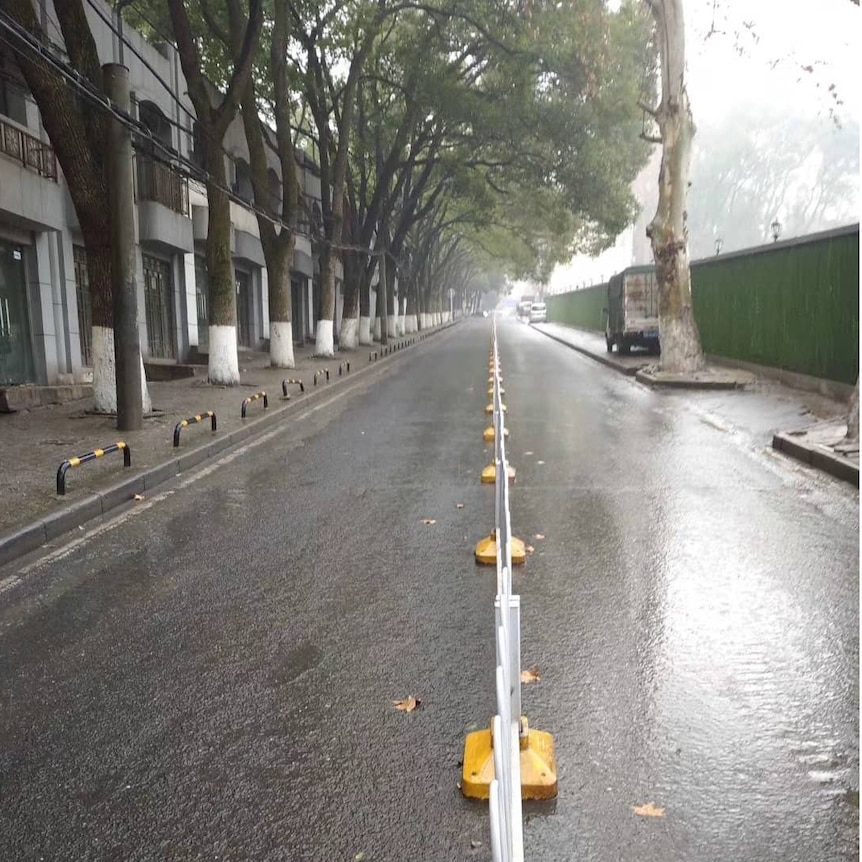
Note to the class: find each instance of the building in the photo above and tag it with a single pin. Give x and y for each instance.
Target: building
(44, 297)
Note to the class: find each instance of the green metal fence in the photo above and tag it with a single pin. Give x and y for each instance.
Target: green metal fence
(581, 308)
(791, 305)
(794, 305)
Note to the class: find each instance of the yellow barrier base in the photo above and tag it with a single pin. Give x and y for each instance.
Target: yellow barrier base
(486, 551)
(490, 408)
(491, 391)
(538, 765)
(489, 434)
(489, 474)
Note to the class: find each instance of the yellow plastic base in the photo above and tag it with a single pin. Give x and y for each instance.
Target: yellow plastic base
(486, 551)
(489, 474)
(489, 434)
(491, 391)
(538, 765)
(490, 408)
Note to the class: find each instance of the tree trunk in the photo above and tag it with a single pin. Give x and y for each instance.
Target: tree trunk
(324, 344)
(411, 322)
(680, 340)
(223, 358)
(278, 254)
(349, 335)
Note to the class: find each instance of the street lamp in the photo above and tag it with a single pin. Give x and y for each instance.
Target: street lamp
(775, 227)
(719, 242)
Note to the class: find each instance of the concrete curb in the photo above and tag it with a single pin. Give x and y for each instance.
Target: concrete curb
(627, 370)
(836, 465)
(32, 536)
(688, 383)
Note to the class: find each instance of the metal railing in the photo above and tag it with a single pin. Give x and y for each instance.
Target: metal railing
(29, 150)
(507, 839)
(158, 182)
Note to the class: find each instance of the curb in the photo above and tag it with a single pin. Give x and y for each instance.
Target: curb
(627, 370)
(836, 465)
(31, 537)
(680, 383)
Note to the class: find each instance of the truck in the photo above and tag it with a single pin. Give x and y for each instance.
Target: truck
(524, 307)
(632, 310)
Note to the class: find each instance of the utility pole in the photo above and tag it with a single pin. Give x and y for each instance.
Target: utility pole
(127, 345)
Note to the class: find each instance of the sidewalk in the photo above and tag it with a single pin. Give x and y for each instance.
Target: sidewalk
(35, 442)
(819, 443)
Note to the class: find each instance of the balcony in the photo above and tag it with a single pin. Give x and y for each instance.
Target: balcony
(157, 182)
(28, 150)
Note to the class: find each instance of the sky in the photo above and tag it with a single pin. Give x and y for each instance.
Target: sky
(756, 54)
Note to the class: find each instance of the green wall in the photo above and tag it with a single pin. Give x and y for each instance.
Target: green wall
(792, 305)
(795, 306)
(581, 308)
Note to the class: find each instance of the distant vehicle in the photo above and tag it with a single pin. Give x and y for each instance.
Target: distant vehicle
(538, 312)
(524, 309)
(632, 311)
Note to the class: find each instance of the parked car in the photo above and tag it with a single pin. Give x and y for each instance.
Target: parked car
(632, 310)
(538, 312)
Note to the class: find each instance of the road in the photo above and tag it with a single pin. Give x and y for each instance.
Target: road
(211, 674)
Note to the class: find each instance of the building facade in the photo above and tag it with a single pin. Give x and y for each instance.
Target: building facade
(44, 294)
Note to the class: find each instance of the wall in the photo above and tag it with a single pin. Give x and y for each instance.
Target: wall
(581, 308)
(792, 305)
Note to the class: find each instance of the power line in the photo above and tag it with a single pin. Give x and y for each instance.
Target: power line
(172, 158)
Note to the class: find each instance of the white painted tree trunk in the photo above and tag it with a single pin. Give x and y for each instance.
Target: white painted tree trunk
(376, 327)
(680, 340)
(105, 373)
(281, 344)
(224, 361)
(324, 344)
(392, 325)
(349, 335)
(411, 324)
(853, 415)
(365, 331)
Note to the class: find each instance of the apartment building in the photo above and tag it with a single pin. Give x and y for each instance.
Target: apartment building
(44, 296)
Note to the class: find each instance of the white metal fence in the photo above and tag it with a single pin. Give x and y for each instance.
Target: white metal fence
(507, 840)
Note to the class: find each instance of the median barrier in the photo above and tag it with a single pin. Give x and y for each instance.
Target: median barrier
(120, 446)
(198, 417)
(256, 397)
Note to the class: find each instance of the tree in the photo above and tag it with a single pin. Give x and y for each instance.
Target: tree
(680, 340)
(78, 130)
(214, 114)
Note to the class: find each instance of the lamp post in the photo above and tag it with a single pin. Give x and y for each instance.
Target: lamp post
(719, 242)
(775, 227)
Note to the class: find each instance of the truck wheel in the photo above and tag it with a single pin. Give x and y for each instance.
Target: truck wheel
(623, 347)
(609, 343)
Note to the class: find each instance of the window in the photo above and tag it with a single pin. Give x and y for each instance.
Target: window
(13, 91)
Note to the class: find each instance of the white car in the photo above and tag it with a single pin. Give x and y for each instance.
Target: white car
(538, 312)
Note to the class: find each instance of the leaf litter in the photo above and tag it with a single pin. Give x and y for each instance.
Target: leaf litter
(408, 704)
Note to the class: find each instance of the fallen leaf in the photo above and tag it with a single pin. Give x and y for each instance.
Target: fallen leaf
(138, 497)
(648, 810)
(408, 704)
(540, 535)
(475, 843)
(540, 462)
(527, 453)
(459, 505)
(428, 521)
(531, 675)
(358, 857)
(530, 549)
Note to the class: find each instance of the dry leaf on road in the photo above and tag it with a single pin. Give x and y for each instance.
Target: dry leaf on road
(527, 453)
(540, 535)
(540, 462)
(648, 810)
(138, 497)
(531, 675)
(459, 505)
(408, 704)
(530, 549)
(429, 521)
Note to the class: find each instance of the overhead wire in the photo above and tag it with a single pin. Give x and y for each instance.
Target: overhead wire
(172, 158)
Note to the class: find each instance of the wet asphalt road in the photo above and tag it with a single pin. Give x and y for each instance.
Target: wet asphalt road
(211, 676)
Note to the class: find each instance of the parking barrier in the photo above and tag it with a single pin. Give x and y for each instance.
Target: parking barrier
(319, 373)
(255, 397)
(372, 357)
(295, 381)
(119, 446)
(509, 761)
(198, 417)
(343, 365)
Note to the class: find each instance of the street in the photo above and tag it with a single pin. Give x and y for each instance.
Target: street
(211, 674)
